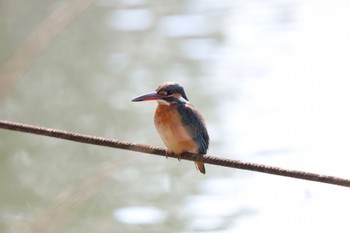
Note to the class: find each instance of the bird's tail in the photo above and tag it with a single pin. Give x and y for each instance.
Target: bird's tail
(200, 167)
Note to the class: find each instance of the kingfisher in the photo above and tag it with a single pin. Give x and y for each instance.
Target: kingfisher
(180, 126)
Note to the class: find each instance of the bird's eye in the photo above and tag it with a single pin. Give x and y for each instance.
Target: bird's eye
(162, 93)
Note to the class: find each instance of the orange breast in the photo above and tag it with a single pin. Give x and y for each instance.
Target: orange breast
(170, 128)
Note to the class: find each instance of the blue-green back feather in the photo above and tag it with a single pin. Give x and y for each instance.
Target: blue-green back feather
(194, 123)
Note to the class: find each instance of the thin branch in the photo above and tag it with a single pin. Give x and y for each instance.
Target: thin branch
(162, 152)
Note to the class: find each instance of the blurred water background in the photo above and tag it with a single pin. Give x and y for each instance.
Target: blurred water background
(270, 77)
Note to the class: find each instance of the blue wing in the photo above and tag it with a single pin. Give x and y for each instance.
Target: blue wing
(194, 123)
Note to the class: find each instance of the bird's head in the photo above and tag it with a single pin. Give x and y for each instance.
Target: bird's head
(167, 94)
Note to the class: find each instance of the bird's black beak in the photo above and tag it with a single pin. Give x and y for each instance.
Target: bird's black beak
(150, 96)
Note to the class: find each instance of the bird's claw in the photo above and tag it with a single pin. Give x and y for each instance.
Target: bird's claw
(179, 156)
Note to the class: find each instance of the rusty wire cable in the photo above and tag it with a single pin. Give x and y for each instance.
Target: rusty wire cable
(100, 141)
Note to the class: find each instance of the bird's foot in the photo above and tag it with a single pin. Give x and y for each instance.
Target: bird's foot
(170, 153)
(179, 156)
(167, 153)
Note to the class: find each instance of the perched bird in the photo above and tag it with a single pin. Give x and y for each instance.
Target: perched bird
(178, 123)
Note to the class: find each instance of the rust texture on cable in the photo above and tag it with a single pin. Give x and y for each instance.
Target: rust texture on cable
(220, 161)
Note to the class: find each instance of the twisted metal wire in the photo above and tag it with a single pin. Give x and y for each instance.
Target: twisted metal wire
(220, 161)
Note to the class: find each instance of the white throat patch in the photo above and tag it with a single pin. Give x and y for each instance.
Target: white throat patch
(163, 102)
(183, 100)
